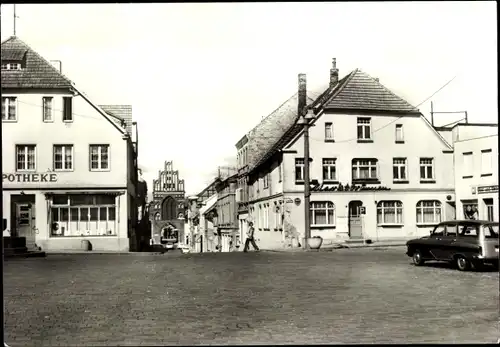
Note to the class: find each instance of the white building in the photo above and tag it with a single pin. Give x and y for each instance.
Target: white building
(69, 168)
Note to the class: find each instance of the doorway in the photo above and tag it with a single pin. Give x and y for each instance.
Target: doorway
(23, 218)
(355, 220)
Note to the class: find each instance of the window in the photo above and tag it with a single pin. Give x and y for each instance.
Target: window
(467, 165)
(25, 157)
(451, 230)
(277, 216)
(47, 109)
(426, 169)
(9, 108)
(470, 208)
(486, 162)
(280, 171)
(99, 157)
(329, 169)
(322, 213)
(83, 214)
(11, 66)
(68, 109)
(299, 169)
(390, 212)
(267, 212)
(260, 216)
(364, 128)
(63, 157)
(399, 133)
(428, 212)
(328, 131)
(266, 181)
(399, 169)
(364, 169)
(438, 231)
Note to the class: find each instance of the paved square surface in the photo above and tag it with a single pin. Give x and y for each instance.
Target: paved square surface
(345, 296)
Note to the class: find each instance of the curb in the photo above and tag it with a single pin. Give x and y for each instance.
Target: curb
(338, 246)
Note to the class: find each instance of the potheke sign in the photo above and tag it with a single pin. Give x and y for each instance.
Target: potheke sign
(29, 177)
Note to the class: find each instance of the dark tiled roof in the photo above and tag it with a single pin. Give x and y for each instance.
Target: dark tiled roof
(118, 113)
(38, 72)
(360, 91)
(268, 132)
(356, 91)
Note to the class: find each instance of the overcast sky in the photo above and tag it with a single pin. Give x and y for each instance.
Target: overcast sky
(199, 76)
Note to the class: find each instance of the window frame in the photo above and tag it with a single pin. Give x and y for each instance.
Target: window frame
(490, 168)
(329, 166)
(402, 139)
(419, 212)
(399, 166)
(44, 99)
(67, 112)
(63, 148)
(329, 132)
(26, 146)
(99, 146)
(330, 206)
(5, 109)
(265, 180)
(467, 168)
(8, 66)
(432, 165)
(299, 165)
(381, 207)
(364, 123)
(355, 162)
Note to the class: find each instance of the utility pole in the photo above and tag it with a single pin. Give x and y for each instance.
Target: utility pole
(432, 114)
(15, 20)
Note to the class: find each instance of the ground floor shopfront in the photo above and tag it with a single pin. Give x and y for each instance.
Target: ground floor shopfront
(480, 202)
(64, 220)
(360, 215)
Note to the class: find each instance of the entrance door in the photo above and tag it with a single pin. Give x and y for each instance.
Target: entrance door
(355, 220)
(25, 223)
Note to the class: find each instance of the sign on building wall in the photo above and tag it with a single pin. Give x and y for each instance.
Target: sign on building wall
(29, 177)
(487, 189)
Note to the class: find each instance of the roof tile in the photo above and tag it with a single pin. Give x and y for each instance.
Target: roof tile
(37, 73)
(120, 112)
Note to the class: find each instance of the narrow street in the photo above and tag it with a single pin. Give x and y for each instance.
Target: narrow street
(345, 296)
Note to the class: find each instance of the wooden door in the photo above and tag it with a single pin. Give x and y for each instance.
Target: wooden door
(355, 220)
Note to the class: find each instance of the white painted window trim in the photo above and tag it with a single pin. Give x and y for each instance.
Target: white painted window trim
(365, 134)
(399, 126)
(329, 131)
(437, 206)
(7, 99)
(26, 146)
(327, 209)
(432, 165)
(301, 168)
(381, 207)
(63, 148)
(99, 154)
(356, 164)
(51, 120)
(399, 166)
(332, 167)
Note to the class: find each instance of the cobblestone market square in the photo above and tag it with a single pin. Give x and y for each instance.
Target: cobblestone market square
(344, 296)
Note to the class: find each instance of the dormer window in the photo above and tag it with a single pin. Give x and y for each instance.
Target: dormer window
(11, 66)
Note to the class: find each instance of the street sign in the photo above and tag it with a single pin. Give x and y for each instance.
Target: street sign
(362, 210)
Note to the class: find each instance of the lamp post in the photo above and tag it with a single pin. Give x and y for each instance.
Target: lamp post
(304, 121)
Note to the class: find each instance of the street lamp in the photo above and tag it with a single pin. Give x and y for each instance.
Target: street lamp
(304, 121)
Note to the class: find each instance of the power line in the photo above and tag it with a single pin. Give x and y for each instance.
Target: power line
(375, 130)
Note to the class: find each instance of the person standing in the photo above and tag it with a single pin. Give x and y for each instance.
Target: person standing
(250, 238)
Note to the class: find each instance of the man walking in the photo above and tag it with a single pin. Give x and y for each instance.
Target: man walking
(250, 238)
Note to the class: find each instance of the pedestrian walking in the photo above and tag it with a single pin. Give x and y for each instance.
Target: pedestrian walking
(250, 238)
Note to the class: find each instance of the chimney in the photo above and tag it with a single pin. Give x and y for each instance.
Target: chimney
(57, 64)
(334, 73)
(302, 94)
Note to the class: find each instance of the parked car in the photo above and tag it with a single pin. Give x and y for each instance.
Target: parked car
(466, 243)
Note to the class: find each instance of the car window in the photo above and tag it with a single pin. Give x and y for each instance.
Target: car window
(439, 231)
(490, 231)
(468, 230)
(451, 230)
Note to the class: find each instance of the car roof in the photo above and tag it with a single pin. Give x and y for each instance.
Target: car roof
(469, 221)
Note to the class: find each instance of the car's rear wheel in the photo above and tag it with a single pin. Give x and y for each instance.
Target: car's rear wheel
(462, 263)
(418, 260)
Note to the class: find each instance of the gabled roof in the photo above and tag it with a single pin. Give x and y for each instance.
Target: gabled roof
(268, 132)
(36, 73)
(359, 91)
(120, 113)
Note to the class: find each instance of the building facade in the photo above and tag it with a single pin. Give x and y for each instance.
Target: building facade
(371, 174)
(69, 169)
(476, 171)
(227, 214)
(168, 207)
